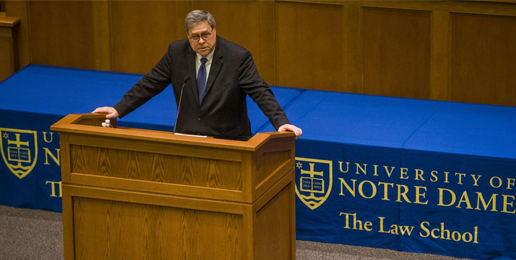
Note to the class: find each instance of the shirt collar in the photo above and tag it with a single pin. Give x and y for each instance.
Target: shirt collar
(209, 56)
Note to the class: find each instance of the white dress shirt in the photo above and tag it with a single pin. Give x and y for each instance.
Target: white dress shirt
(208, 64)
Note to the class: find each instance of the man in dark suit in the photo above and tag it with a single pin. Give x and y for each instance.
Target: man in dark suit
(216, 74)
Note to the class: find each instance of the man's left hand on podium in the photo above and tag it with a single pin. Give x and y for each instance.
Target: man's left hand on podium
(291, 128)
(109, 111)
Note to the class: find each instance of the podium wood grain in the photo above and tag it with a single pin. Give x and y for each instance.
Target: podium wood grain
(142, 194)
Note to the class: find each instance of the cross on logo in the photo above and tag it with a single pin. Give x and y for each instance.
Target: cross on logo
(312, 184)
(312, 172)
(18, 143)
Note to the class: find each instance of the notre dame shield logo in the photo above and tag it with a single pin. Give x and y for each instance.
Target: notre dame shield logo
(314, 179)
(19, 150)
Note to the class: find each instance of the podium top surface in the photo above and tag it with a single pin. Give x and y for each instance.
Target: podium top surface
(82, 124)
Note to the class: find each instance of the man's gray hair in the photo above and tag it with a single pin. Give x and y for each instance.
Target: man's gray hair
(198, 16)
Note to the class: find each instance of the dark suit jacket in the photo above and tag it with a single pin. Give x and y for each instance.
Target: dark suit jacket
(223, 111)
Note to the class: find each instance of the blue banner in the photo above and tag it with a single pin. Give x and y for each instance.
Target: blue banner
(409, 175)
(30, 175)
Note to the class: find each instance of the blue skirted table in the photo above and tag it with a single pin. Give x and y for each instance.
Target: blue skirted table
(405, 174)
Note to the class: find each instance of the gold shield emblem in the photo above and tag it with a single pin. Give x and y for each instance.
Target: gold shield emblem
(314, 180)
(19, 150)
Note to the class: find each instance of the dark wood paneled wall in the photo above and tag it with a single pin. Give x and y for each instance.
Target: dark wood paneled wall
(8, 45)
(310, 41)
(396, 52)
(483, 58)
(62, 33)
(459, 51)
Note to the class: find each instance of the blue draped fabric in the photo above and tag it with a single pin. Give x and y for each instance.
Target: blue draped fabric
(405, 174)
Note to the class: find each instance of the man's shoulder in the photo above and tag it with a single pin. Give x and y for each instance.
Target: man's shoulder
(231, 47)
(180, 45)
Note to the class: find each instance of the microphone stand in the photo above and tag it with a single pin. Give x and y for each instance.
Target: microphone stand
(179, 104)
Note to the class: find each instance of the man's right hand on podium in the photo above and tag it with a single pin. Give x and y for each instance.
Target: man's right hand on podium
(109, 111)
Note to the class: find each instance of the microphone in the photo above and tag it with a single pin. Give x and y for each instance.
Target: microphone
(179, 104)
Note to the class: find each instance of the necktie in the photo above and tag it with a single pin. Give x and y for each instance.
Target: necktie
(201, 79)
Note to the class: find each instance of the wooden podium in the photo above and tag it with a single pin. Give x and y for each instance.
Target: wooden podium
(143, 194)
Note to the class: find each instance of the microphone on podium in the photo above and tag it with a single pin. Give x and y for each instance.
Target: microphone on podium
(179, 104)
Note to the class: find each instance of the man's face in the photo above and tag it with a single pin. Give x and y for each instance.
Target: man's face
(206, 38)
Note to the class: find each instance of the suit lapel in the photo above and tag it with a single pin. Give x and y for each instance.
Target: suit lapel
(215, 66)
(191, 70)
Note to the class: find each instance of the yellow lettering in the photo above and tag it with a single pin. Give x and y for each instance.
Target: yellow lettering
(419, 175)
(361, 190)
(394, 229)
(475, 179)
(441, 200)
(433, 234)
(434, 176)
(445, 234)
(499, 182)
(444, 231)
(368, 226)
(480, 199)
(467, 240)
(364, 170)
(53, 188)
(460, 177)
(385, 189)
(375, 170)
(476, 235)
(426, 230)
(505, 203)
(420, 194)
(510, 183)
(446, 177)
(464, 198)
(351, 191)
(389, 173)
(456, 236)
(381, 230)
(406, 229)
(403, 173)
(340, 167)
(45, 137)
(402, 193)
(347, 218)
(355, 221)
(55, 158)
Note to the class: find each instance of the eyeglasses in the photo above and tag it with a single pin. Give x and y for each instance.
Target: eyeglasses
(204, 35)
